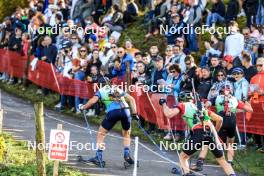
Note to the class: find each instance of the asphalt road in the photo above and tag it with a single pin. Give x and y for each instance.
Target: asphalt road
(19, 121)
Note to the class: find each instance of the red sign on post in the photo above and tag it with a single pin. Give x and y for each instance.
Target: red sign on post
(59, 145)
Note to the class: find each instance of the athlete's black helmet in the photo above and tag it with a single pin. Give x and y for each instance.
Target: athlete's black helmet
(185, 96)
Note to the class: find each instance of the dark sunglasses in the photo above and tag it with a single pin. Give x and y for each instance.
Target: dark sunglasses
(259, 65)
(236, 74)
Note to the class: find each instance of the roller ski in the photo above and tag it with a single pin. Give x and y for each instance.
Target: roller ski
(129, 161)
(97, 160)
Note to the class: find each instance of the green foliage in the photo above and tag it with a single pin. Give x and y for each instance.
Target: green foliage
(21, 161)
(2, 148)
(136, 33)
(7, 7)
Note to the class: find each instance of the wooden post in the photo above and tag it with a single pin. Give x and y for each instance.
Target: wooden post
(128, 75)
(40, 138)
(56, 163)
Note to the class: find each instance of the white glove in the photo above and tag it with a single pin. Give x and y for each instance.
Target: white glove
(81, 107)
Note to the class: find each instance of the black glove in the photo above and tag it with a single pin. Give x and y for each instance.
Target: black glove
(135, 117)
(162, 101)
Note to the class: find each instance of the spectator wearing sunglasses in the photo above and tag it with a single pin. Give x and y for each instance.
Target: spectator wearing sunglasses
(249, 40)
(241, 85)
(123, 57)
(221, 79)
(174, 80)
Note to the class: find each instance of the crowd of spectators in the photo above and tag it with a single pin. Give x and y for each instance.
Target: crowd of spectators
(86, 56)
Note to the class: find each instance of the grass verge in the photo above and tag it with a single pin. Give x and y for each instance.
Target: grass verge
(18, 160)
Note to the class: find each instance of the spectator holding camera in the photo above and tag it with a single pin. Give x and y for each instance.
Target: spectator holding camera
(65, 66)
(124, 57)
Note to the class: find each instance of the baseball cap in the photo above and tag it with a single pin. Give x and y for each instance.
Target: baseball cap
(237, 70)
(228, 58)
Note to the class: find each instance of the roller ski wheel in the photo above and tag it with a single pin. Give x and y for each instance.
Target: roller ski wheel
(94, 161)
(128, 165)
(175, 171)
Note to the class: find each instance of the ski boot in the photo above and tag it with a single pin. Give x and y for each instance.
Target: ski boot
(129, 162)
(198, 166)
(98, 159)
